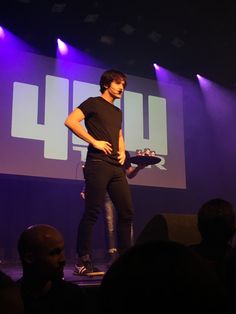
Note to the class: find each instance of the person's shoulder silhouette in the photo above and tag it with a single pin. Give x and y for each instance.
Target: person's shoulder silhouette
(164, 275)
(10, 297)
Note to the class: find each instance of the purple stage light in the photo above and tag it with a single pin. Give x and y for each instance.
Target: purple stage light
(156, 66)
(203, 82)
(66, 52)
(62, 47)
(2, 34)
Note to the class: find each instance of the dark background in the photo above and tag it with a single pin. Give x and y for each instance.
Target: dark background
(187, 38)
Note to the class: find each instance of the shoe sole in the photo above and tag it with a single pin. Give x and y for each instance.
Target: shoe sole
(92, 274)
(96, 273)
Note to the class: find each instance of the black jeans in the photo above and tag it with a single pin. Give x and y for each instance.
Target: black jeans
(100, 177)
(110, 225)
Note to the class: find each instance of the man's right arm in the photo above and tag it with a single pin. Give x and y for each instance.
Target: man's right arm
(73, 122)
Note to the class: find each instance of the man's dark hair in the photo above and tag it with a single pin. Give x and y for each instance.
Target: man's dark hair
(216, 220)
(110, 76)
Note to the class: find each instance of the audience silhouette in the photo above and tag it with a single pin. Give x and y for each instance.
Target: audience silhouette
(10, 297)
(196, 279)
(216, 224)
(43, 289)
(230, 278)
(163, 276)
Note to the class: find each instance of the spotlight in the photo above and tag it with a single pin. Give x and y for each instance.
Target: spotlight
(2, 34)
(62, 47)
(200, 77)
(156, 66)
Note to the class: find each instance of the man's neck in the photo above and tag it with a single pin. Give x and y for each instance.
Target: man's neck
(108, 98)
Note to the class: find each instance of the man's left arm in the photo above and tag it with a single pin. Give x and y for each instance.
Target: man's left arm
(131, 172)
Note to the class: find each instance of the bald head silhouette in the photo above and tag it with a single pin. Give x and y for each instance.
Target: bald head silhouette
(41, 251)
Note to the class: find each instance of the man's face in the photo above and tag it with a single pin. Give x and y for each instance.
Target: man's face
(116, 88)
(50, 259)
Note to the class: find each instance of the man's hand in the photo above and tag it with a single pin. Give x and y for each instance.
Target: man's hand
(142, 165)
(106, 147)
(121, 157)
(131, 172)
(82, 194)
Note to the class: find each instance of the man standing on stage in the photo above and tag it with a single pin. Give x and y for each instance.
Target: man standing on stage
(103, 169)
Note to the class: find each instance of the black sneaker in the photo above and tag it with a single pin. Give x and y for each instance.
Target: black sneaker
(85, 268)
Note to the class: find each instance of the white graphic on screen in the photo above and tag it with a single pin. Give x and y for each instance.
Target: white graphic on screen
(25, 114)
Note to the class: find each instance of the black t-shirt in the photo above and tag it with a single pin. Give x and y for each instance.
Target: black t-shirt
(103, 122)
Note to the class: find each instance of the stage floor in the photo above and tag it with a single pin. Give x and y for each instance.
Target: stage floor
(14, 271)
